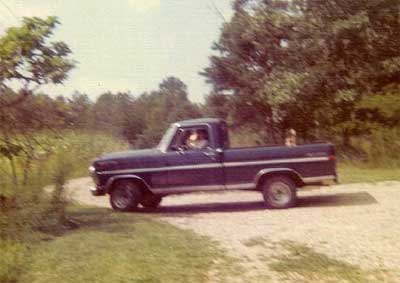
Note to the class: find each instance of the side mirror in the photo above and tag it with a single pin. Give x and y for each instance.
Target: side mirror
(214, 154)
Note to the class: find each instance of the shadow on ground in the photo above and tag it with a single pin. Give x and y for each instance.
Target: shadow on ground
(341, 199)
(101, 219)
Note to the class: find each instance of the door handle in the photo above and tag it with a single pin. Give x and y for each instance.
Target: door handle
(211, 154)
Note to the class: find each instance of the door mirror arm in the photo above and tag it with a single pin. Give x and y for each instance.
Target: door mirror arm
(212, 153)
(178, 149)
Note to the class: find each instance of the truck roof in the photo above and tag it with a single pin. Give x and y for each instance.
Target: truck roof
(193, 122)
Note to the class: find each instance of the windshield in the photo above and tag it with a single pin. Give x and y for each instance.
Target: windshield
(166, 139)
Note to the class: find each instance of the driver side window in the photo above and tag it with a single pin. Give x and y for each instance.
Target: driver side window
(178, 142)
(195, 138)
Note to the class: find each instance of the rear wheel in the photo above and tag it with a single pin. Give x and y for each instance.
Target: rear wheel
(279, 192)
(125, 196)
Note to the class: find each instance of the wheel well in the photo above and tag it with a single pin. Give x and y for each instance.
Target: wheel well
(143, 187)
(291, 175)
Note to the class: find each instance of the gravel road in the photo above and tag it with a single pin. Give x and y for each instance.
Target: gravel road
(358, 224)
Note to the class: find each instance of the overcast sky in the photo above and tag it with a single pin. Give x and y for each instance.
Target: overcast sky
(129, 45)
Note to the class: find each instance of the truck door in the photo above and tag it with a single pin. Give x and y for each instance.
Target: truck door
(194, 166)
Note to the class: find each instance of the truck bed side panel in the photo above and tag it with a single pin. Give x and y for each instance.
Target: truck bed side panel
(242, 164)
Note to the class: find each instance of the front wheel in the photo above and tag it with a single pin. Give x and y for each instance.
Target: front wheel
(279, 192)
(125, 196)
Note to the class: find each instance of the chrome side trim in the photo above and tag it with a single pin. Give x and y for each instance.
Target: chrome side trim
(160, 169)
(216, 165)
(118, 177)
(309, 180)
(188, 189)
(276, 161)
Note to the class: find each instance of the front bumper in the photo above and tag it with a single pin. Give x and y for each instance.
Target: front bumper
(98, 191)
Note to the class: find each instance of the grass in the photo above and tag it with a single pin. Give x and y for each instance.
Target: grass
(74, 151)
(303, 264)
(12, 260)
(295, 262)
(361, 173)
(114, 247)
(111, 247)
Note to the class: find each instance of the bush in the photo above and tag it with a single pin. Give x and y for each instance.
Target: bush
(12, 260)
(377, 149)
(29, 207)
(244, 137)
(382, 147)
(35, 210)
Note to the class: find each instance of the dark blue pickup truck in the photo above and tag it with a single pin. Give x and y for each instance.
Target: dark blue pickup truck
(195, 155)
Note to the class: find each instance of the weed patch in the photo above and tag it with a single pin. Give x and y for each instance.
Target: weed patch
(303, 264)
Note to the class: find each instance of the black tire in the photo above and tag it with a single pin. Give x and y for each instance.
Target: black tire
(151, 201)
(279, 192)
(125, 196)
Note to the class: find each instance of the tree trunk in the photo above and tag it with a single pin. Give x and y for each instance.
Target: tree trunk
(346, 138)
(271, 126)
(14, 172)
(27, 167)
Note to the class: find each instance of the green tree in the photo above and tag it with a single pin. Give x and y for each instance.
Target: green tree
(29, 60)
(308, 63)
(80, 108)
(168, 104)
(119, 114)
(217, 105)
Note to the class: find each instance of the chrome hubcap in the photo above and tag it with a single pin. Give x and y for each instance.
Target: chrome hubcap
(122, 198)
(279, 193)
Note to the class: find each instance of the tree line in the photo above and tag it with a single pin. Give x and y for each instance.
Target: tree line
(329, 69)
(29, 60)
(141, 120)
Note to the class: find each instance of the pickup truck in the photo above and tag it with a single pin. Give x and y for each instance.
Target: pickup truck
(145, 176)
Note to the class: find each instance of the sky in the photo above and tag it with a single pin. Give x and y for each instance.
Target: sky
(129, 45)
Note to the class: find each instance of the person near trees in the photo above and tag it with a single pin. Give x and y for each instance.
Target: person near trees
(290, 140)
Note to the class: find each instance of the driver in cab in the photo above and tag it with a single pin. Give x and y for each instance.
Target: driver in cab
(198, 139)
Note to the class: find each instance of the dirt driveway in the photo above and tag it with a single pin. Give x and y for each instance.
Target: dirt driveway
(358, 224)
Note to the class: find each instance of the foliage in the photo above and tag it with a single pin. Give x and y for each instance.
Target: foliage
(160, 108)
(12, 260)
(375, 149)
(361, 172)
(36, 211)
(218, 105)
(303, 264)
(116, 248)
(141, 120)
(28, 59)
(308, 65)
(70, 150)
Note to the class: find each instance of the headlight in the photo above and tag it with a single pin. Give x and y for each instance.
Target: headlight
(92, 170)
